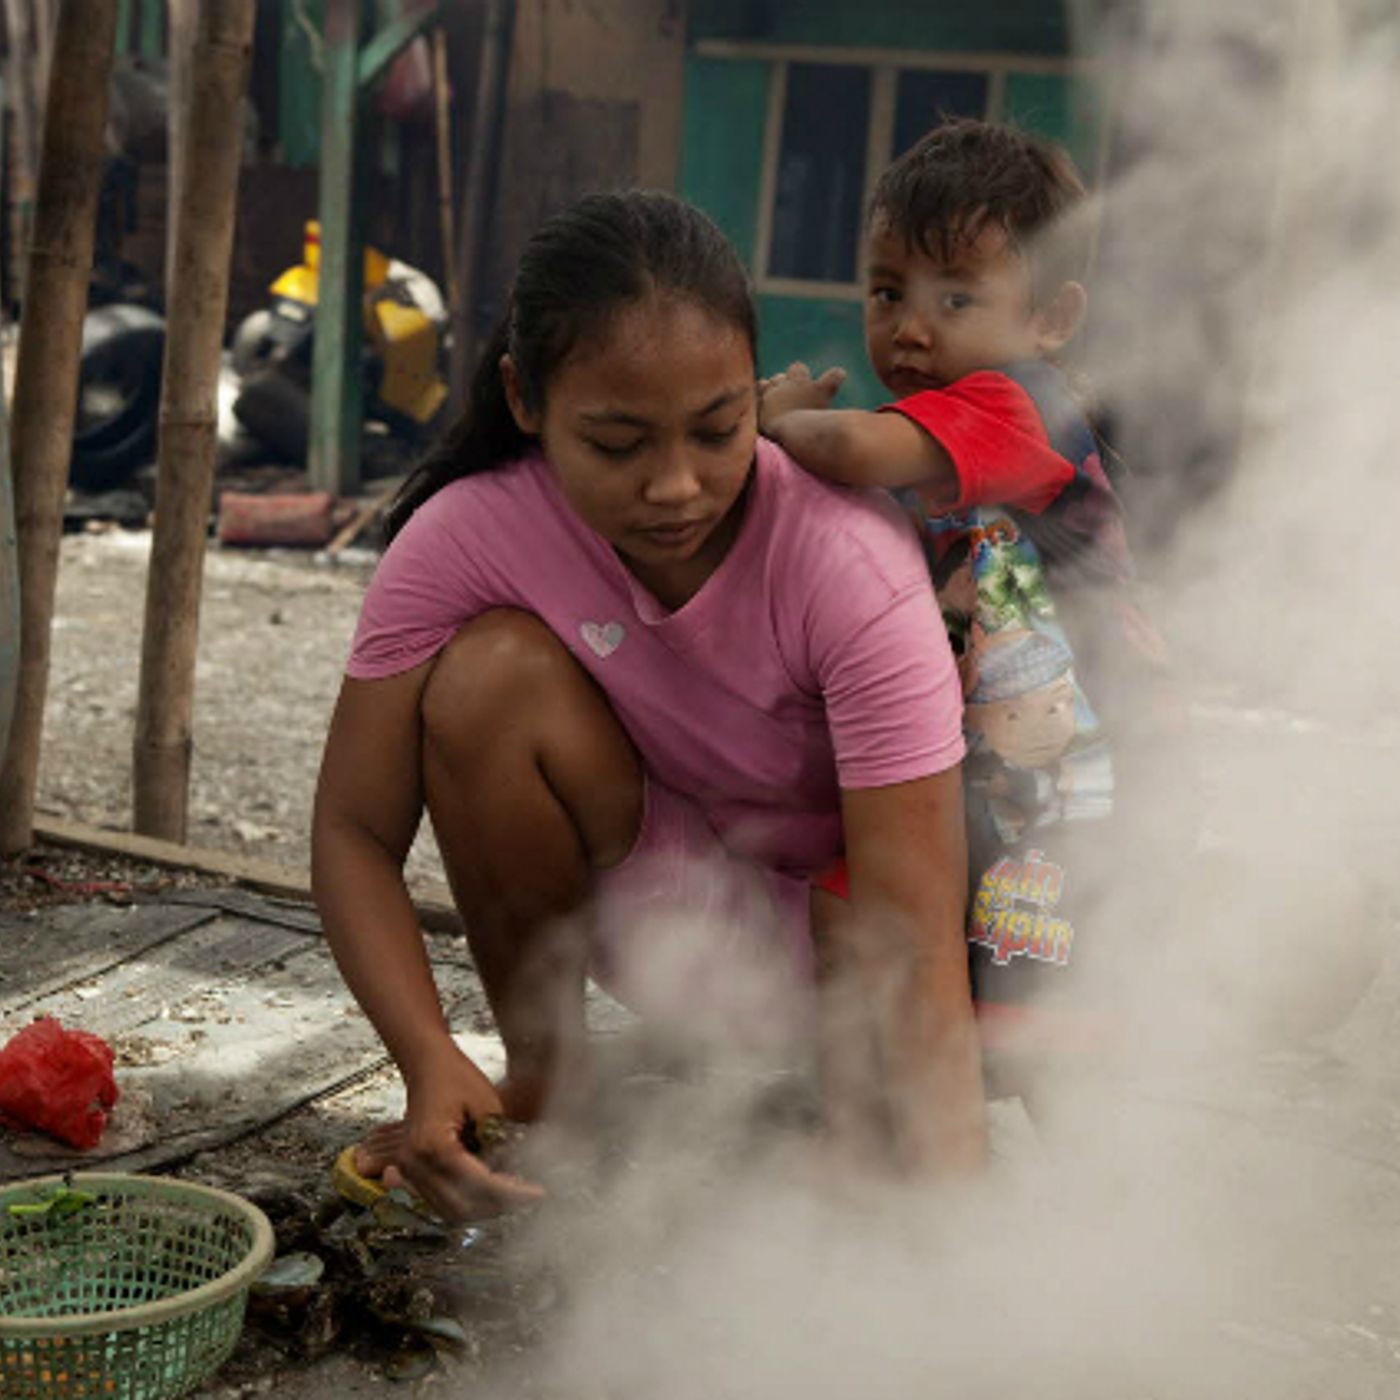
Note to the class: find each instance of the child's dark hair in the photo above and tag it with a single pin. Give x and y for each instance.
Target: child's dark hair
(967, 175)
(606, 253)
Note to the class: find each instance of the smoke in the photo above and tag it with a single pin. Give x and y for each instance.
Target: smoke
(1212, 1211)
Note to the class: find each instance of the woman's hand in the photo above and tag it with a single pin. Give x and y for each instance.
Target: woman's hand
(795, 388)
(425, 1152)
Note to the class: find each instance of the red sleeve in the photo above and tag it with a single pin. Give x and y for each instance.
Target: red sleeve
(993, 431)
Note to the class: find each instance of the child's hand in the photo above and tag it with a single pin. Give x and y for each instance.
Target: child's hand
(795, 389)
(969, 663)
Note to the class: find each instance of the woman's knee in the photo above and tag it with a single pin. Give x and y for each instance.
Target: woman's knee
(507, 703)
(498, 666)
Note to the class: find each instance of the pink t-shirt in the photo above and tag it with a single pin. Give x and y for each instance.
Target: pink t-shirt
(813, 658)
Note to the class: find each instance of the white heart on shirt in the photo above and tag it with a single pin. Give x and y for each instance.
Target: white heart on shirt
(603, 638)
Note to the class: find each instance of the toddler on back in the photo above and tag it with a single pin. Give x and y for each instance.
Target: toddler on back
(976, 250)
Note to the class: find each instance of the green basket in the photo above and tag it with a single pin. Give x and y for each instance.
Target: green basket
(138, 1295)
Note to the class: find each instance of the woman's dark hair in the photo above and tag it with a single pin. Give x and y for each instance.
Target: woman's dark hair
(966, 175)
(608, 252)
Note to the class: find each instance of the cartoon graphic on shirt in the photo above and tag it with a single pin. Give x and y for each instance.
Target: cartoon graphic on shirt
(1035, 752)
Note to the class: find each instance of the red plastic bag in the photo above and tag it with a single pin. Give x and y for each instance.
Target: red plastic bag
(57, 1081)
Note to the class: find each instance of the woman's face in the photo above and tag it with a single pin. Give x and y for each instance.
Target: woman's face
(650, 429)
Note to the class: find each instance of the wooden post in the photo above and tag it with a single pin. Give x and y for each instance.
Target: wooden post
(46, 374)
(477, 192)
(208, 185)
(180, 24)
(22, 69)
(442, 109)
(44, 24)
(337, 400)
(9, 579)
(337, 391)
(150, 40)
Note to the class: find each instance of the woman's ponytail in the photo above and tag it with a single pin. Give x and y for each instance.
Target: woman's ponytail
(485, 436)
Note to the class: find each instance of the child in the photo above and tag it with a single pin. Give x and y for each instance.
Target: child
(975, 260)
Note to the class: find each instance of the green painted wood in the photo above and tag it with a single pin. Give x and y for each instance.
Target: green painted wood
(299, 93)
(151, 38)
(1022, 26)
(391, 40)
(821, 334)
(1064, 109)
(726, 105)
(123, 26)
(337, 393)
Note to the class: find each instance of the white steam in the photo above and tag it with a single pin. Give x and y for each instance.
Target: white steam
(1219, 1216)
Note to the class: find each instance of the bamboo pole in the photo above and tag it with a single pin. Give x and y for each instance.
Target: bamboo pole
(46, 374)
(9, 576)
(180, 22)
(44, 28)
(208, 185)
(442, 105)
(22, 68)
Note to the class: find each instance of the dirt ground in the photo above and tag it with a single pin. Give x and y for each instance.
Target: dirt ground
(275, 629)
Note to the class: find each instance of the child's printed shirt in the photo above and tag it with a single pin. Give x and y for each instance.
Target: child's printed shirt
(1031, 567)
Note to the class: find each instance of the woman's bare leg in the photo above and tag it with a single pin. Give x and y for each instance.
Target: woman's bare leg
(532, 786)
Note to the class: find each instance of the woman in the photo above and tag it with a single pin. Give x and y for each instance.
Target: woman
(617, 637)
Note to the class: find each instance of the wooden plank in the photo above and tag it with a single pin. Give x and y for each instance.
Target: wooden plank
(43, 952)
(176, 977)
(432, 901)
(286, 912)
(235, 1056)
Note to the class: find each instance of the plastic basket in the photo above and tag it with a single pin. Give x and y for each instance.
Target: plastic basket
(137, 1296)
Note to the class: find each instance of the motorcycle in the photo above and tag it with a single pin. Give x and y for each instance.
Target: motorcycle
(405, 336)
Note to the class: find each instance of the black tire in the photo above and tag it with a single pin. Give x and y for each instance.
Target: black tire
(114, 430)
(277, 411)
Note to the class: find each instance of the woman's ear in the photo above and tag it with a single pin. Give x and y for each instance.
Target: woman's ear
(525, 420)
(1061, 316)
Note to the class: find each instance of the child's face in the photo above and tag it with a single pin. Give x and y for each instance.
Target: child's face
(1031, 730)
(928, 323)
(650, 430)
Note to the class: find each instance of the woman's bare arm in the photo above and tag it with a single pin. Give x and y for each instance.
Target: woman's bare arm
(369, 802)
(904, 931)
(368, 805)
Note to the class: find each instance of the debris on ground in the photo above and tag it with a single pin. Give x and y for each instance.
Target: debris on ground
(399, 1291)
(47, 875)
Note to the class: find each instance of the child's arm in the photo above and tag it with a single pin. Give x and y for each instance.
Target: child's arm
(850, 445)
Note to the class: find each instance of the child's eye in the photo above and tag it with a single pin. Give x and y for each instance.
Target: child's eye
(885, 296)
(957, 301)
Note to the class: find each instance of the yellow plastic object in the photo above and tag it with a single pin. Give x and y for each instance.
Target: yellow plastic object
(301, 283)
(358, 1190)
(407, 342)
